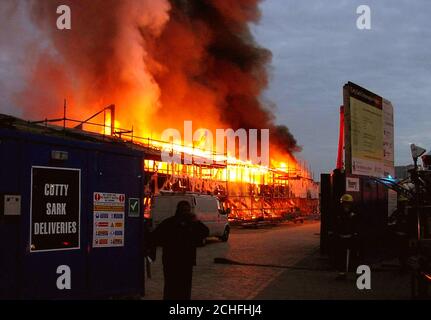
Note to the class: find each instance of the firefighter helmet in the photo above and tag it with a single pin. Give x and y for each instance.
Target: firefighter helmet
(346, 198)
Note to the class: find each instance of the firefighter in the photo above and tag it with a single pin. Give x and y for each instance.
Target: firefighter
(346, 236)
(179, 236)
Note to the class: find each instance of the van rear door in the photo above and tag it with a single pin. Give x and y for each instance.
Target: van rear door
(165, 206)
(162, 208)
(207, 211)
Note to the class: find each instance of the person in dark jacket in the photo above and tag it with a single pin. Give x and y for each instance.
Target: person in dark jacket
(179, 236)
(347, 236)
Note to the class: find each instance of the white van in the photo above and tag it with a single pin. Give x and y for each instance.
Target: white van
(207, 209)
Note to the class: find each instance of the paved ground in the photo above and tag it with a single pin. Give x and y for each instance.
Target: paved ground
(290, 268)
(281, 245)
(314, 279)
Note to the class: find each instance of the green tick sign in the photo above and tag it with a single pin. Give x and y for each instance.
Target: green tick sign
(134, 207)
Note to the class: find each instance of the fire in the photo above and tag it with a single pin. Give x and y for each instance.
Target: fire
(162, 62)
(234, 170)
(106, 130)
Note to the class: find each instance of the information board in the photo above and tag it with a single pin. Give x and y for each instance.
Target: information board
(55, 209)
(108, 217)
(369, 133)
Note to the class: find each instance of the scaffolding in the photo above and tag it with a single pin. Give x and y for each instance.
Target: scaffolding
(250, 191)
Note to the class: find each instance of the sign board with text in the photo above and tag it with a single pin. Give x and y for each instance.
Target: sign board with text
(108, 216)
(55, 209)
(369, 133)
(353, 184)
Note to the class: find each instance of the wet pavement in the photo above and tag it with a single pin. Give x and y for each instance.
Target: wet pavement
(275, 247)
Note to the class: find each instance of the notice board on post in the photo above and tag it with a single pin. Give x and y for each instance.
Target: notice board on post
(369, 133)
(55, 209)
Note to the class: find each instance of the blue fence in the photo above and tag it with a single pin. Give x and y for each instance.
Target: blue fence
(34, 242)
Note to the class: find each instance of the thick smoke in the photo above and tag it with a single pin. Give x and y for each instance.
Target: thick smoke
(101, 61)
(161, 62)
(210, 58)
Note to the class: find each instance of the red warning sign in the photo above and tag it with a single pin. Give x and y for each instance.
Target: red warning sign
(108, 228)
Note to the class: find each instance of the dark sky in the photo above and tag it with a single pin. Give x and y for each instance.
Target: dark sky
(317, 48)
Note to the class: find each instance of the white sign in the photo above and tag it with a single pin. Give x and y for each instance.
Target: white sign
(12, 205)
(369, 133)
(366, 137)
(353, 185)
(108, 229)
(363, 167)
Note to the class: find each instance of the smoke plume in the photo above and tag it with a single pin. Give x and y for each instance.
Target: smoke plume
(161, 62)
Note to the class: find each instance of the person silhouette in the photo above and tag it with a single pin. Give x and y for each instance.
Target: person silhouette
(179, 236)
(347, 237)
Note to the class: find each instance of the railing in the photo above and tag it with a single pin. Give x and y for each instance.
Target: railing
(124, 135)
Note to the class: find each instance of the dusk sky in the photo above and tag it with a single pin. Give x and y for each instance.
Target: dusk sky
(317, 48)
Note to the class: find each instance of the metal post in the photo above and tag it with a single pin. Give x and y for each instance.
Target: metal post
(64, 114)
(104, 123)
(112, 108)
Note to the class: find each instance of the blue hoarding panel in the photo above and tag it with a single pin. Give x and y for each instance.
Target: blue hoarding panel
(46, 235)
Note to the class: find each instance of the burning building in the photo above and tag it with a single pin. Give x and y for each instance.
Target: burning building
(162, 63)
(251, 191)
